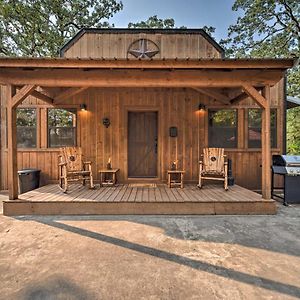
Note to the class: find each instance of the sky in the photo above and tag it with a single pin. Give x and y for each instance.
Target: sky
(189, 13)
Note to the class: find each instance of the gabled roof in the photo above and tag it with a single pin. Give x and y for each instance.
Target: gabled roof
(198, 31)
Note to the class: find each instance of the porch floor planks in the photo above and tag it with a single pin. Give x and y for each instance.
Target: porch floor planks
(126, 193)
(212, 199)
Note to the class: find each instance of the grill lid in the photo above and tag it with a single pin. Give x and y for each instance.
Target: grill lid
(291, 160)
(286, 160)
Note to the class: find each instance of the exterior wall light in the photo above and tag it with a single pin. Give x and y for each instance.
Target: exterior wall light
(201, 107)
(83, 107)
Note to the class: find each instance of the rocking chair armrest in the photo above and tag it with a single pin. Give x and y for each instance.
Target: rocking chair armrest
(226, 163)
(87, 162)
(62, 164)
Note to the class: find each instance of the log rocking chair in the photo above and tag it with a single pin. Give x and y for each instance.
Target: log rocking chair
(213, 166)
(73, 169)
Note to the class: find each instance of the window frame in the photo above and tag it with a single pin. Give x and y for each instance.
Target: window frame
(236, 110)
(75, 108)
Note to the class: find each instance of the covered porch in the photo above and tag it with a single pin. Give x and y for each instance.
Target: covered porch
(139, 198)
(226, 81)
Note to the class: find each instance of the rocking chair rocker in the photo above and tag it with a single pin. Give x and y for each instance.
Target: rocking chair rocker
(73, 169)
(213, 166)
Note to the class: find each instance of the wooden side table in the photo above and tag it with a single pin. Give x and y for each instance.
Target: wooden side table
(173, 176)
(108, 177)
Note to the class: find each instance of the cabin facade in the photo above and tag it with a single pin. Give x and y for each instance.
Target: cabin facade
(143, 98)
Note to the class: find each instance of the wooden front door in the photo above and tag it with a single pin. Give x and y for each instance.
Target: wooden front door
(142, 144)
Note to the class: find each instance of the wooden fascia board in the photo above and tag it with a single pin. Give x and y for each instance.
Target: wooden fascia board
(22, 94)
(230, 64)
(255, 95)
(139, 78)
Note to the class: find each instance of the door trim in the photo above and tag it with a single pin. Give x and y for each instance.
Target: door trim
(142, 108)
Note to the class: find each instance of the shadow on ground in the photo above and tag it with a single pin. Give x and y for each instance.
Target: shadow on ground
(273, 233)
(54, 287)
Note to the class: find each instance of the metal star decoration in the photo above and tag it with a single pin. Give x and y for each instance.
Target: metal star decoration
(143, 51)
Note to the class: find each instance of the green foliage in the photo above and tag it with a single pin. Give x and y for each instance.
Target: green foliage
(293, 131)
(26, 117)
(58, 117)
(40, 28)
(223, 117)
(154, 22)
(270, 28)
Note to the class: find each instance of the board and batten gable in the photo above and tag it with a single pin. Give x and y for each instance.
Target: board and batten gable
(115, 43)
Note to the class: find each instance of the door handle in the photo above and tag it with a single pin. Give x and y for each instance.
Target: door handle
(155, 145)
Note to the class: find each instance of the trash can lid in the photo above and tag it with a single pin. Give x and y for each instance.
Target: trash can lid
(29, 170)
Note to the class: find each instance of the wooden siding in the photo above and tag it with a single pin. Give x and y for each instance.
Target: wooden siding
(175, 107)
(110, 46)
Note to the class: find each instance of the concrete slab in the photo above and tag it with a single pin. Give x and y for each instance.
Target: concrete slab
(151, 257)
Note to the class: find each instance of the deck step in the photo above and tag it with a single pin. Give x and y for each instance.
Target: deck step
(19, 207)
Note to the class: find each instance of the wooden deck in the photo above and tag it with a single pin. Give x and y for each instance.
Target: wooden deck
(139, 199)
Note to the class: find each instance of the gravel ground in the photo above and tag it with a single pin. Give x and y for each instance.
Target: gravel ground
(151, 257)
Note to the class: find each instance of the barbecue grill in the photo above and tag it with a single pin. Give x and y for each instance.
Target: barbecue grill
(287, 166)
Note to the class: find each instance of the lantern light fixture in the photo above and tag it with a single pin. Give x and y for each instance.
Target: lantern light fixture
(201, 107)
(83, 107)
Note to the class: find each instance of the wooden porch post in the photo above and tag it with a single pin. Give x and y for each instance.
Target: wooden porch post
(266, 146)
(13, 100)
(264, 102)
(12, 143)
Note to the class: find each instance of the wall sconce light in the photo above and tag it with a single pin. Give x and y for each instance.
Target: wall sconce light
(83, 107)
(106, 122)
(201, 107)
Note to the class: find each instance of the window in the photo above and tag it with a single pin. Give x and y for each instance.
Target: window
(254, 128)
(26, 128)
(61, 127)
(222, 128)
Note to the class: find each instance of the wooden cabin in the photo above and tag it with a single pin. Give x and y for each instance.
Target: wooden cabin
(143, 98)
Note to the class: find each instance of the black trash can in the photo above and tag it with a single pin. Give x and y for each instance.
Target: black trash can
(29, 179)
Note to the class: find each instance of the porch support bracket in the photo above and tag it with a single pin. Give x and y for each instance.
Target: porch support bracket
(22, 94)
(263, 100)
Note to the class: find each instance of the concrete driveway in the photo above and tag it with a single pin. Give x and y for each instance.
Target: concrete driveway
(151, 257)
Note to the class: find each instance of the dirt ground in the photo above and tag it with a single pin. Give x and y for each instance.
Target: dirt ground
(151, 257)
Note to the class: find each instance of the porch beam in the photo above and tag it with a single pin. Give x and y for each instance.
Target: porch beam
(213, 94)
(68, 94)
(42, 96)
(12, 143)
(22, 94)
(255, 95)
(266, 146)
(139, 78)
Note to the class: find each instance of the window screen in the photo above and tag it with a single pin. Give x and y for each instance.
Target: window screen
(222, 128)
(26, 128)
(61, 127)
(254, 128)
